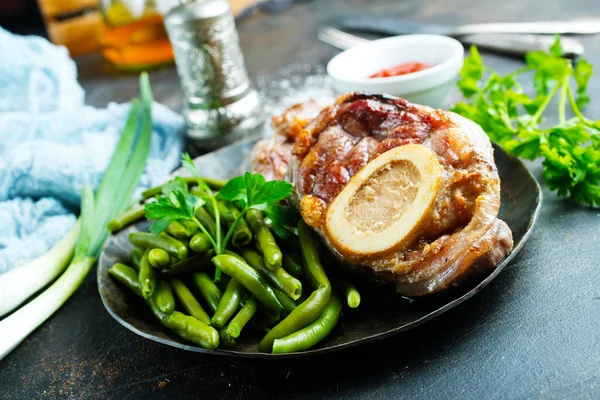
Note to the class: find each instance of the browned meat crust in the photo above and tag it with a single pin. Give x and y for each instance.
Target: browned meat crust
(462, 234)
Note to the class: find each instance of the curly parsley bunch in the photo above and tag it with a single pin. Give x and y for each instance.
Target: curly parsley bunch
(512, 118)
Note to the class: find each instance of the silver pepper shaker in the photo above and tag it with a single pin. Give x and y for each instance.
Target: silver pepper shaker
(221, 104)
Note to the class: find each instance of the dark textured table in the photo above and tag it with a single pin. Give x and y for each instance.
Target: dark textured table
(532, 333)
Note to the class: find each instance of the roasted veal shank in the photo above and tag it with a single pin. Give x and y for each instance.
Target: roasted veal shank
(402, 191)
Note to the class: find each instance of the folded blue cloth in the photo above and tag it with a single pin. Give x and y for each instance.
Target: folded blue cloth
(36, 75)
(52, 145)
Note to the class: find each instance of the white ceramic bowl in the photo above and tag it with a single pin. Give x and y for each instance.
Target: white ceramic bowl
(350, 70)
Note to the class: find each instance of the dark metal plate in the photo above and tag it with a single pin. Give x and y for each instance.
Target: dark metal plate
(379, 315)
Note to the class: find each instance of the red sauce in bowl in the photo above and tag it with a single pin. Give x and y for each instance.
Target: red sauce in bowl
(402, 69)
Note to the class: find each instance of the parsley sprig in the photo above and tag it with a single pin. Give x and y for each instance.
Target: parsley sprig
(513, 119)
(250, 191)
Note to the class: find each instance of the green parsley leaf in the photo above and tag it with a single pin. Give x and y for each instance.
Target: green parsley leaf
(254, 192)
(234, 190)
(282, 219)
(471, 73)
(176, 205)
(556, 49)
(188, 164)
(160, 225)
(178, 183)
(512, 118)
(273, 192)
(582, 73)
(527, 146)
(254, 183)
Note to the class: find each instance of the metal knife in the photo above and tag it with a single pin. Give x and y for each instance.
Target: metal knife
(393, 26)
(511, 44)
(521, 44)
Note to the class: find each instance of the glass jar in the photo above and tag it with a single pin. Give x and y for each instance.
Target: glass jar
(133, 36)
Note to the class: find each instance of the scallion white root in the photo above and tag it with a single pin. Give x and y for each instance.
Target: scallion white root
(20, 324)
(19, 284)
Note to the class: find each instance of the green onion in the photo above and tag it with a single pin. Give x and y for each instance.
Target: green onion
(113, 195)
(20, 283)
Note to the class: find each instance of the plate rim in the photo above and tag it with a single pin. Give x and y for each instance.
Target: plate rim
(355, 342)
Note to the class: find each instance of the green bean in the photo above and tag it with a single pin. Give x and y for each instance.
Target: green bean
(352, 294)
(136, 257)
(186, 326)
(127, 276)
(229, 303)
(146, 276)
(303, 315)
(171, 245)
(207, 222)
(279, 278)
(195, 263)
(241, 235)
(210, 226)
(178, 230)
(241, 232)
(126, 218)
(226, 339)
(198, 332)
(307, 337)
(159, 258)
(199, 243)
(190, 226)
(293, 265)
(213, 183)
(234, 254)
(224, 212)
(164, 297)
(189, 302)
(251, 280)
(237, 323)
(264, 239)
(288, 303)
(207, 288)
(312, 307)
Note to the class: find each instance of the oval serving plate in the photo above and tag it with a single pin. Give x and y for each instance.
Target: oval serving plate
(377, 317)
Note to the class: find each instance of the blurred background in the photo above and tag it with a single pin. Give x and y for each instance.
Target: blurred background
(22, 16)
(123, 30)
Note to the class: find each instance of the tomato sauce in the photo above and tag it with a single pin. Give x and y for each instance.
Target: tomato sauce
(402, 69)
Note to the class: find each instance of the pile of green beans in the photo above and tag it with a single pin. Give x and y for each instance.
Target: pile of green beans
(281, 290)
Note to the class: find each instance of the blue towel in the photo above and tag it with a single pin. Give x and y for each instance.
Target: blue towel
(52, 145)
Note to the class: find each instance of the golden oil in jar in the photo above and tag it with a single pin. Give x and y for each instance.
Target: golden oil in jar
(133, 36)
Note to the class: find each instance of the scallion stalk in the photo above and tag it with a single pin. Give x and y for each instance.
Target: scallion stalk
(113, 195)
(19, 284)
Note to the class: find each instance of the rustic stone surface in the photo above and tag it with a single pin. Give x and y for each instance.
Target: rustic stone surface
(532, 333)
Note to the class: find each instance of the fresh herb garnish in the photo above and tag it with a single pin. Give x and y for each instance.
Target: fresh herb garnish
(250, 191)
(511, 118)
